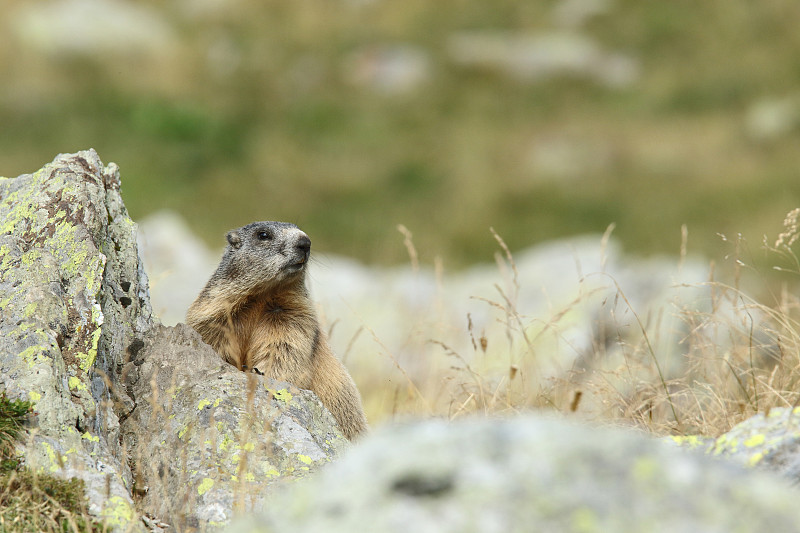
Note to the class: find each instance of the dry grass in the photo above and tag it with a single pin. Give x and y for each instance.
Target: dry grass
(686, 366)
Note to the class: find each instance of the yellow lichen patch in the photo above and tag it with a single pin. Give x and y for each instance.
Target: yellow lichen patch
(86, 360)
(755, 459)
(29, 355)
(725, 444)
(34, 396)
(88, 436)
(226, 441)
(203, 404)
(755, 440)
(205, 485)
(584, 520)
(76, 384)
(32, 257)
(304, 459)
(56, 462)
(29, 310)
(690, 441)
(117, 512)
(645, 469)
(282, 395)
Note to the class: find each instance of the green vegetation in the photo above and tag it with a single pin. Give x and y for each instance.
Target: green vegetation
(12, 415)
(30, 501)
(256, 113)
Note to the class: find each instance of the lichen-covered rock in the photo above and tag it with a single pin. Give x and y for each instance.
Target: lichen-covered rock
(207, 439)
(767, 441)
(79, 339)
(71, 292)
(527, 474)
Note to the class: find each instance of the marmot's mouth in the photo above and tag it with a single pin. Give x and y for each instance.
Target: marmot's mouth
(298, 265)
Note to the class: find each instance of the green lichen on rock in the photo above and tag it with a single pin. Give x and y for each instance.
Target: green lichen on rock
(56, 284)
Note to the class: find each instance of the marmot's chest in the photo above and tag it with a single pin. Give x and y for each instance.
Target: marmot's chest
(274, 337)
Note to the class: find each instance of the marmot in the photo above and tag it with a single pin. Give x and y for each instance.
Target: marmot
(256, 312)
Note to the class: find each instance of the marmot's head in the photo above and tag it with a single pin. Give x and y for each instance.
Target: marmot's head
(263, 255)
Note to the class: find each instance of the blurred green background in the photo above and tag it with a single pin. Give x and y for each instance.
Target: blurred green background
(542, 119)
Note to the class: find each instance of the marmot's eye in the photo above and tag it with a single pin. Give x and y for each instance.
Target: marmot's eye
(264, 236)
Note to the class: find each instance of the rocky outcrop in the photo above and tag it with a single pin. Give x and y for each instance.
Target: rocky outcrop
(73, 294)
(527, 474)
(206, 439)
(112, 388)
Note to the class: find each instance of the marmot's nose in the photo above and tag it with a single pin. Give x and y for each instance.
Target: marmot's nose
(303, 244)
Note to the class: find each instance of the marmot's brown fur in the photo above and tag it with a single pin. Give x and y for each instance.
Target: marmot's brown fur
(256, 312)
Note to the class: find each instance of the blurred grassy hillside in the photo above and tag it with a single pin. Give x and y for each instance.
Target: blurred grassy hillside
(539, 118)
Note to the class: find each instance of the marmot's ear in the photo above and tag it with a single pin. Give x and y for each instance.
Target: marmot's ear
(234, 239)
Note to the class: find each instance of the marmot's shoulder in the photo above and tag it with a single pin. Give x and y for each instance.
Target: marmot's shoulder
(256, 312)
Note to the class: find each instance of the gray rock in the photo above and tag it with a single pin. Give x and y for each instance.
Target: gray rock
(768, 441)
(111, 387)
(527, 474)
(206, 438)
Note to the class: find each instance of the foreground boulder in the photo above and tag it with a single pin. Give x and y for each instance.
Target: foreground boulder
(112, 389)
(527, 474)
